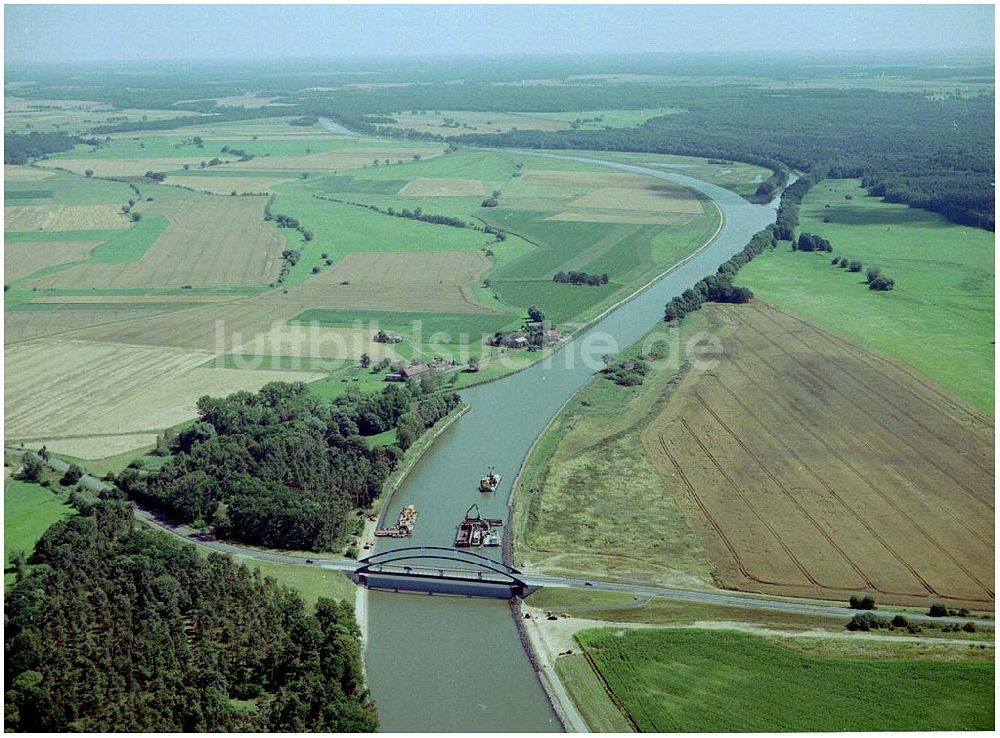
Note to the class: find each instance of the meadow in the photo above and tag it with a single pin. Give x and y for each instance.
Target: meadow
(939, 318)
(454, 122)
(722, 681)
(28, 510)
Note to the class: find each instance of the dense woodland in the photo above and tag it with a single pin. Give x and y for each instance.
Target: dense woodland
(121, 628)
(281, 468)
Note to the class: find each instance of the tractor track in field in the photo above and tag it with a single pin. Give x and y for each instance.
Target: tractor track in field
(874, 393)
(874, 488)
(798, 506)
(766, 523)
(849, 400)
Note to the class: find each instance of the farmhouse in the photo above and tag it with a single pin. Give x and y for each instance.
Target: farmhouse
(409, 372)
(383, 337)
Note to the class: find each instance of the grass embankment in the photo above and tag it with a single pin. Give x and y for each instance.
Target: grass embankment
(589, 695)
(688, 680)
(590, 503)
(940, 316)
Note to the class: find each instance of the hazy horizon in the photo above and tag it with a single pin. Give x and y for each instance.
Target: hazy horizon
(120, 33)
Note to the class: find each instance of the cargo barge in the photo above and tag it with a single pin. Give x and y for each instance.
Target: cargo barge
(475, 531)
(403, 527)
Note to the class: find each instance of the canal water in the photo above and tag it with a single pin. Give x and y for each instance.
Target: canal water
(439, 663)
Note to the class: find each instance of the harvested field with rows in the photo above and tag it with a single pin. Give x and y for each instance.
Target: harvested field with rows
(74, 388)
(226, 327)
(208, 243)
(413, 267)
(27, 325)
(813, 467)
(434, 187)
(63, 217)
(26, 257)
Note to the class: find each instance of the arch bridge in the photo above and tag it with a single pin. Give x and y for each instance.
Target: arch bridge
(442, 570)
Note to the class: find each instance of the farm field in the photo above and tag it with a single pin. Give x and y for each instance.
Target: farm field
(801, 464)
(682, 680)
(202, 243)
(97, 286)
(457, 122)
(813, 467)
(61, 389)
(943, 296)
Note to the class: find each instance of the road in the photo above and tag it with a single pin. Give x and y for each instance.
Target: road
(340, 563)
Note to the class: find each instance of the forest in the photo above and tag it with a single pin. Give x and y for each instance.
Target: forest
(281, 468)
(120, 628)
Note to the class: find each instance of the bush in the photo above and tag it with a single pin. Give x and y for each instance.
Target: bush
(31, 469)
(867, 621)
(900, 622)
(855, 266)
(72, 476)
(969, 627)
(865, 602)
(937, 610)
(882, 283)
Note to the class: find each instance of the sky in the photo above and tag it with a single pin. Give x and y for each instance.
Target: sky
(63, 33)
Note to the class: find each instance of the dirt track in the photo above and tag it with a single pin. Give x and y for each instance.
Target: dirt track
(813, 467)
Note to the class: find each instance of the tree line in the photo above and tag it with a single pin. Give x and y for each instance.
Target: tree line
(281, 468)
(593, 280)
(120, 627)
(719, 286)
(19, 148)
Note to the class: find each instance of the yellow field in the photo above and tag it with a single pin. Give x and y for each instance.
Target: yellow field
(126, 299)
(26, 326)
(318, 343)
(433, 187)
(13, 173)
(650, 197)
(22, 259)
(589, 216)
(60, 388)
(208, 243)
(66, 387)
(332, 160)
(226, 185)
(424, 267)
(63, 217)
(228, 326)
(126, 167)
(96, 447)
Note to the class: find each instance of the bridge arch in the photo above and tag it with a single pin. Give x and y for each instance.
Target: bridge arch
(425, 568)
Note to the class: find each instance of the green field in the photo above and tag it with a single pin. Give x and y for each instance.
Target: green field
(312, 582)
(724, 681)
(28, 510)
(130, 245)
(939, 318)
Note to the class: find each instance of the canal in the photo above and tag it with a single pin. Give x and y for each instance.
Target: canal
(439, 663)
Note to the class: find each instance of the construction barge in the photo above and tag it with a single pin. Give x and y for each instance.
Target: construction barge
(403, 527)
(490, 482)
(475, 531)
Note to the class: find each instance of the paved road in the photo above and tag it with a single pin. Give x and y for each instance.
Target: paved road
(339, 563)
